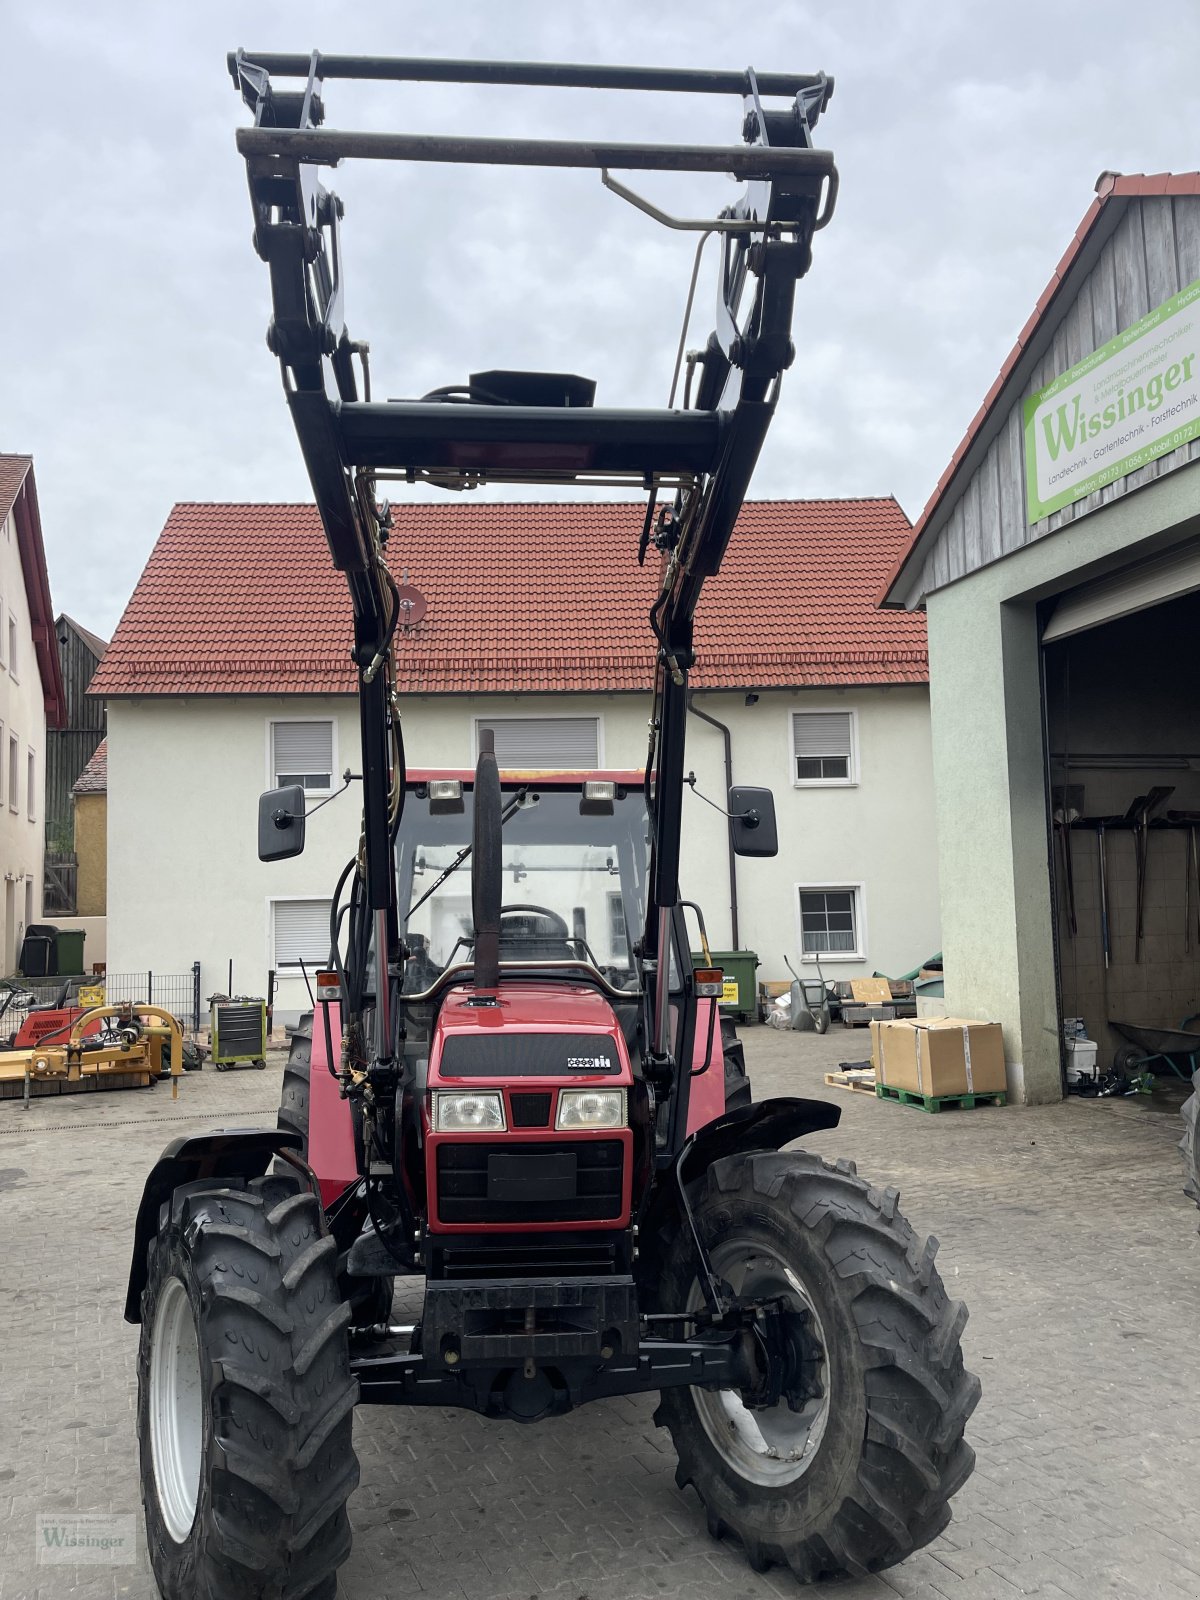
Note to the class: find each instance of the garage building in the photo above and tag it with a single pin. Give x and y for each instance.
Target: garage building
(1058, 563)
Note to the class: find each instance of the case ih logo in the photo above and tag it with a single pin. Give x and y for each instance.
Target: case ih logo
(588, 1064)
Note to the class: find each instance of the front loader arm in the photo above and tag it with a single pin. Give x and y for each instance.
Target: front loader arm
(694, 461)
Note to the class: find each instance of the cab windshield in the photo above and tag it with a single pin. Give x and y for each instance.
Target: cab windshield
(573, 883)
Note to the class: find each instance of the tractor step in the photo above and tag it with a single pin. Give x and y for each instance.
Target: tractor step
(938, 1102)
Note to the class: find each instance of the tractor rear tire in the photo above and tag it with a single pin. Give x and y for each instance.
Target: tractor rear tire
(862, 1475)
(737, 1079)
(370, 1298)
(1189, 1145)
(293, 1102)
(245, 1398)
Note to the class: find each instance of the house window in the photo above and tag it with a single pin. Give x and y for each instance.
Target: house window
(831, 922)
(31, 784)
(823, 747)
(1, 763)
(14, 773)
(300, 930)
(544, 743)
(12, 645)
(3, 631)
(302, 752)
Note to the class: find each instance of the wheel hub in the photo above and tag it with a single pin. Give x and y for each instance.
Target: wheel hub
(769, 1434)
(176, 1409)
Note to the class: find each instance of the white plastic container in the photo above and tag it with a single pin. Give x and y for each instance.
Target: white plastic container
(1081, 1060)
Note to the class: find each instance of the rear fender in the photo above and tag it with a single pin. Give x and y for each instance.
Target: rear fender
(224, 1153)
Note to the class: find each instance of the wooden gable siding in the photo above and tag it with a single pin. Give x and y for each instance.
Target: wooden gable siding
(1153, 253)
(69, 749)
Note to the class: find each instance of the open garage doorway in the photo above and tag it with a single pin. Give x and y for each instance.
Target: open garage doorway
(1123, 733)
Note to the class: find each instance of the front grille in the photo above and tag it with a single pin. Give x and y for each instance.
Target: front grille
(576, 1181)
(530, 1110)
(528, 1055)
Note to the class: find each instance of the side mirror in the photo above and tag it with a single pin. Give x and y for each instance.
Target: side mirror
(752, 822)
(281, 823)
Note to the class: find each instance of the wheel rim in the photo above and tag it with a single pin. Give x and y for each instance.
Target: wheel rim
(176, 1409)
(776, 1446)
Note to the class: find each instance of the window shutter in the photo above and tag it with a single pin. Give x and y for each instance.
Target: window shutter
(545, 742)
(821, 733)
(301, 932)
(303, 750)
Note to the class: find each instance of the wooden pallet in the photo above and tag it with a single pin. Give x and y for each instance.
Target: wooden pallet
(938, 1102)
(858, 1081)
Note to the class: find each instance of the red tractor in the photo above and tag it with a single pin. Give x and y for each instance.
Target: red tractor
(515, 1084)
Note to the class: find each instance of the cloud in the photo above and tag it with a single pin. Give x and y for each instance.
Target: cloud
(134, 366)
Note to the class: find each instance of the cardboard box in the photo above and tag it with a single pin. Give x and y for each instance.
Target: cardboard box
(871, 991)
(939, 1056)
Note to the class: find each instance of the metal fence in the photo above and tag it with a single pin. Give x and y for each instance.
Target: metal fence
(176, 992)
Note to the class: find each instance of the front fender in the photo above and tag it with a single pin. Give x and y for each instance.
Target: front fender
(766, 1125)
(223, 1153)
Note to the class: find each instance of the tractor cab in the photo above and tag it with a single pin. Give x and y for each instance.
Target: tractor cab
(574, 858)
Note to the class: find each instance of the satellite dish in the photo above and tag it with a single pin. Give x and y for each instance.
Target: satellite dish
(412, 607)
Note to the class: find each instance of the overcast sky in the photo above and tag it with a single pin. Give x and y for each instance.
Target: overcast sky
(968, 137)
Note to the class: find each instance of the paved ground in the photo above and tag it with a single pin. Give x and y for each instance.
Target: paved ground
(1063, 1228)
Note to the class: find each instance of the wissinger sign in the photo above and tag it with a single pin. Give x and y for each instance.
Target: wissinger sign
(1135, 398)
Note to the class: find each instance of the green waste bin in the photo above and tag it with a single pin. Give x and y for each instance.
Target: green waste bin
(69, 943)
(740, 995)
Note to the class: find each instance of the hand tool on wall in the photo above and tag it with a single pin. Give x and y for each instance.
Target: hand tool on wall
(1138, 815)
(1102, 855)
(1064, 816)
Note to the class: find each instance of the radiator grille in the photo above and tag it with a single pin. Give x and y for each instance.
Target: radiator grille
(469, 1189)
(530, 1110)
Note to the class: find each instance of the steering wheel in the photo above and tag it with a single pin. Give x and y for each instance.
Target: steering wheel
(558, 928)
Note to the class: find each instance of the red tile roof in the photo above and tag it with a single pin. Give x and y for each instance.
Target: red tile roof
(18, 494)
(243, 599)
(1110, 186)
(94, 777)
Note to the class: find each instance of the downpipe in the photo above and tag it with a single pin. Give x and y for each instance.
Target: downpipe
(723, 730)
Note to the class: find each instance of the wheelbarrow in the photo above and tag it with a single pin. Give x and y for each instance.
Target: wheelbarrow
(809, 999)
(1158, 1044)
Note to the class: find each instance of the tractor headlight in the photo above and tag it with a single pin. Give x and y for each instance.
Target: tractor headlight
(468, 1113)
(590, 1108)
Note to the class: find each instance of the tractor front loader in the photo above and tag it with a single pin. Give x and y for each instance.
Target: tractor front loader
(514, 1084)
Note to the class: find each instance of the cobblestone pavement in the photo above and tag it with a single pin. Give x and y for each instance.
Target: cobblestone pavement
(1063, 1228)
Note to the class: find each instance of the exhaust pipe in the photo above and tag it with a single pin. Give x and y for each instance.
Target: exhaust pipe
(486, 886)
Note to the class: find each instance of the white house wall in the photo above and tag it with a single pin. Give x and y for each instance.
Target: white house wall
(184, 777)
(22, 713)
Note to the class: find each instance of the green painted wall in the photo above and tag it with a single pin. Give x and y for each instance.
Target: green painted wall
(989, 775)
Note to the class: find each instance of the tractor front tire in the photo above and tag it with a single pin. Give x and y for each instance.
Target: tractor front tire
(1189, 1145)
(245, 1399)
(862, 1474)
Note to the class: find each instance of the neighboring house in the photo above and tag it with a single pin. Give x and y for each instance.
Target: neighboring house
(68, 751)
(31, 699)
(230, 672)
(90, 799)
(1058, 561)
